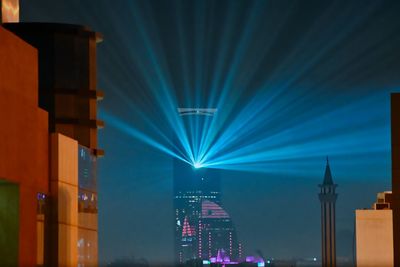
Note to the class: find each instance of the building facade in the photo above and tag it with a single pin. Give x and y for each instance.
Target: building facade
(378, 229)
(217, 232)
(327, 197)
(24, 153)
(374, 233)
(48, 140)
(191, 187)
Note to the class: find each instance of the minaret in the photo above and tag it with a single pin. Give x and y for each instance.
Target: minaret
(328, 197)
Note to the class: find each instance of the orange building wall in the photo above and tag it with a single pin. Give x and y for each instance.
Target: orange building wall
(24, 135)
(374, 238)
(64, 191)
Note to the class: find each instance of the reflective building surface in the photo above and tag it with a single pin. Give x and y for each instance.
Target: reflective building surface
(87, 208)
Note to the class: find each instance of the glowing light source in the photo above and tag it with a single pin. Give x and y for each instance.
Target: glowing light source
(197, 165)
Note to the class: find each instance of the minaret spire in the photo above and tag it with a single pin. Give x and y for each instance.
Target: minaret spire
(327, 197)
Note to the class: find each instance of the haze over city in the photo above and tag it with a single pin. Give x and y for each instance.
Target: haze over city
(287, 84)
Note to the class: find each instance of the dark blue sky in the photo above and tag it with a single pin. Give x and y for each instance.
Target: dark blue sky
(309, 78)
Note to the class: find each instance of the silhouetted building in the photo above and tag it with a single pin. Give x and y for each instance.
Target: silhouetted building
(48, 138)
(374, 233)
(202, 226)
(327, 197)
(395, 133)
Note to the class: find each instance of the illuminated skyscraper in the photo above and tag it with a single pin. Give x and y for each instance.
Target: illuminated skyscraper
(328, 197)
(201, 225)
(217, 232)
(191, 187)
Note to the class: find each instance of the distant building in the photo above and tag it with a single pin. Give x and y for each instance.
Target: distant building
(202, 226)
(374, 233)
(217, 232)
(221, 259)
(327, 197)
(191, 187)
(48, 140)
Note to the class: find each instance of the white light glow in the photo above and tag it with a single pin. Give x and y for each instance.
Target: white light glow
(197, 165)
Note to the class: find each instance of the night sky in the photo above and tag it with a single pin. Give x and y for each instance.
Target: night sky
(293, 81)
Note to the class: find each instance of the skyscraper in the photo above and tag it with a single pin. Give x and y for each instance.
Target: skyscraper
(327, 197)
(217, 232)
(191, 187)
(202, 226)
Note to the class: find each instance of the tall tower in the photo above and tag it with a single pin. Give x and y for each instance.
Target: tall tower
(328, 197)
(191, 186)
(202, 226)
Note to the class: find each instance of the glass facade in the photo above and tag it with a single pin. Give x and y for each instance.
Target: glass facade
(87, 208)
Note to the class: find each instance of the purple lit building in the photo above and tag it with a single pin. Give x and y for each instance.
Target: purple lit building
(222, 259)
(217, 232)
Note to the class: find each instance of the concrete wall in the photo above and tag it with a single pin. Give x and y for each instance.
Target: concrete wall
(23, 136)
(374, 238)
(64, 195)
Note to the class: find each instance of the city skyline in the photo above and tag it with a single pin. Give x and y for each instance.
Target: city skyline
(293, 82)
